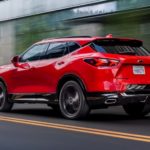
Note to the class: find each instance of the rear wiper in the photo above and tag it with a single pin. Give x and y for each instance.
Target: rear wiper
(127, 53)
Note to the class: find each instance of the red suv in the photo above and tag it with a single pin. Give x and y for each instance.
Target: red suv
(77, 74)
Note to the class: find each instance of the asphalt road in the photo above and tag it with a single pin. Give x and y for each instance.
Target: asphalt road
(37, 127)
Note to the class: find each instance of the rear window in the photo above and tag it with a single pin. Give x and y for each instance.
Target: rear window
(122, 47)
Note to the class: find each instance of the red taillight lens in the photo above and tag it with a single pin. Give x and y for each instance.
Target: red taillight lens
(102, 62)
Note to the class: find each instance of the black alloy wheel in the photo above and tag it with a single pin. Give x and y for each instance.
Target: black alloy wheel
(137, 109)
(5, 104)
(72, 101)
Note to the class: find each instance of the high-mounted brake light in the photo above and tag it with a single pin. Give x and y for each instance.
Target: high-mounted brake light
(109, 36)
(102, 62)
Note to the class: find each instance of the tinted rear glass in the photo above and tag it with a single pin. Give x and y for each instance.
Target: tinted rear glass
(123, 47)
(72, 46)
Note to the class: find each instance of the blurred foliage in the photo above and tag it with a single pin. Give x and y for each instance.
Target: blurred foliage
(135, 24)
(35, 28)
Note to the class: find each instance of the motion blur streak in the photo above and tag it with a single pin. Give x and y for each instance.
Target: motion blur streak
(22, 23)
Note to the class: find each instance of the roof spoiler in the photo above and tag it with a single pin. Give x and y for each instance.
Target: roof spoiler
(115, 41)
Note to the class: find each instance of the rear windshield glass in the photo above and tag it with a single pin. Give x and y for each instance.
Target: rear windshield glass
(123, 47)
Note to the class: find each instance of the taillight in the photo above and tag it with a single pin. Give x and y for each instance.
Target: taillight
(102, 62)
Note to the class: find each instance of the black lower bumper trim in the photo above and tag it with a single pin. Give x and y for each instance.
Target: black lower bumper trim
(97, 100)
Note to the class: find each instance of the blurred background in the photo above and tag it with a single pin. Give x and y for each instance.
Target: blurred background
(23, 22)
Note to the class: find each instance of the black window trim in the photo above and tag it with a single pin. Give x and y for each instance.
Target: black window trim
(49, 43)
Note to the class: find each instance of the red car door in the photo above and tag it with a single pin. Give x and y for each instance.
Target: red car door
(27, 76)
(49, 67)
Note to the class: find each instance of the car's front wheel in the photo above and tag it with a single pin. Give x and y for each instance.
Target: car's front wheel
(5, 105)
(137, 109)
(72, 101)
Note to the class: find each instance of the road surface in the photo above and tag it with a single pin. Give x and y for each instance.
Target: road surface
(38, 127)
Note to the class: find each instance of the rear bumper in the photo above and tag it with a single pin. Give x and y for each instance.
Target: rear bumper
(97, 100)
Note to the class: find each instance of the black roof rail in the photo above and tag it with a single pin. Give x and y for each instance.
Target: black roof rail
(81, 36)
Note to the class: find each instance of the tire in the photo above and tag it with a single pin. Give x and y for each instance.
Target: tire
(5, 105)
(137, 109)
(72, 101)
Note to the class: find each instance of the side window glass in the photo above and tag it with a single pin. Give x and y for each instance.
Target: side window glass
(34, 53)
(72, 46)
(56, 50)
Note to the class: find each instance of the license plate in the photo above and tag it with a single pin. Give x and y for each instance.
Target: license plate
(138, 70)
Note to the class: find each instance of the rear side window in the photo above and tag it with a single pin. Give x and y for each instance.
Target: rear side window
(72, 46)
(128, 47)
(56, 50)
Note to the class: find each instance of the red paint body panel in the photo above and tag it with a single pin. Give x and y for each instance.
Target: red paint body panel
(43, 76)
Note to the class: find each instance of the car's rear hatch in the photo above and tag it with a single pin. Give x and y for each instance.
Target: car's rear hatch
(134, 66)
(136, 69)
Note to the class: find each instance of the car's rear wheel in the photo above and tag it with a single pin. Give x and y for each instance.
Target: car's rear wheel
(72, 101)
(5, 105)
(137, 109)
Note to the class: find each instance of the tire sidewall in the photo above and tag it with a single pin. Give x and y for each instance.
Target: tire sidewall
(83, 104)
(137, 110)
(6, 105)
(2, 87)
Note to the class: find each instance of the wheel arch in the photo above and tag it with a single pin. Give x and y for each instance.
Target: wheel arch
(2, 80)
(70, 77)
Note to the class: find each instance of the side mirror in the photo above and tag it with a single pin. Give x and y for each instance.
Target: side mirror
(15, 61)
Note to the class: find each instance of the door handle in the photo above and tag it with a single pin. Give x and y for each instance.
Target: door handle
(61, 63)
(33, 68)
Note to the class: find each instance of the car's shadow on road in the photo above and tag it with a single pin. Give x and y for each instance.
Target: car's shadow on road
(37, 112)
(108, 119)
(94, 116)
